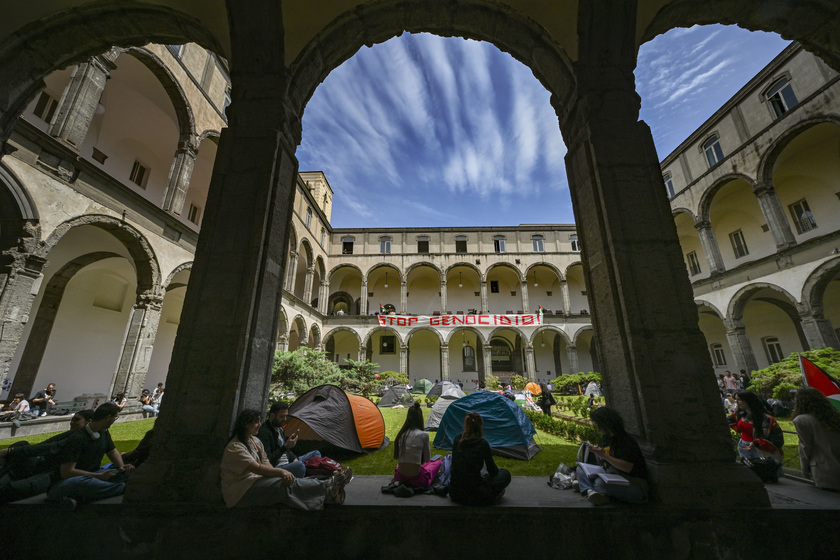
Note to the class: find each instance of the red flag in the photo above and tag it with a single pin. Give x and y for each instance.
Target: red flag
(814, 377)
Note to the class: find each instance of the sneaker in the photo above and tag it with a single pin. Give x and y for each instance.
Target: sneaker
(403, 491)
(389, 488)
(336, 494)
(597, 498)
(576, 486)
(342, 478)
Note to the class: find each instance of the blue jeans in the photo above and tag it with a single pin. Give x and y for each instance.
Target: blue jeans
(297, 468)
(150, 409)
(632, 493)
(745, 453)
(87, 488)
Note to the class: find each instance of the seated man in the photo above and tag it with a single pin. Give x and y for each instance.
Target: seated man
(43, 401)
(277, 446)
(25, 470)
(148, 409)
(79, 477)
(14, 409)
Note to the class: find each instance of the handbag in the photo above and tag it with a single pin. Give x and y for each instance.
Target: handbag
(766, 468)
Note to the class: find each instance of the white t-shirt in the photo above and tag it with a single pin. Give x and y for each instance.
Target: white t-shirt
(415, 447)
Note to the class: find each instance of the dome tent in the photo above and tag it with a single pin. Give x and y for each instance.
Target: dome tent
(328, 414)
(396, 395)
(422, 386)
(506, 427)
(446, 388)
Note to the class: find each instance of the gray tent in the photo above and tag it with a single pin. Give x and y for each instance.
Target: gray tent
(396, 395)
(438, 410)
(446, 388)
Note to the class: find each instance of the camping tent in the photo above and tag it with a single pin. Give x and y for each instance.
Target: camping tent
(328, 414)
(534, 388)
(396, 395)
(448, 388)
(422, 387)
(506, 427)
(449, 394)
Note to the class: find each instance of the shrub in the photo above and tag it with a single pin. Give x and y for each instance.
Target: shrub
(567, 429)
(787, 372)
(491, 382)
(300, 370)
(578, 380)
(518, 382)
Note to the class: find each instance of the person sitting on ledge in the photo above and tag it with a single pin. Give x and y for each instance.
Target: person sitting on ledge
(277, 446)
(248, 479)
(13, 410)
(79, 477)
(470, 453)
(619, 454)
(414, 472)
(43, 401)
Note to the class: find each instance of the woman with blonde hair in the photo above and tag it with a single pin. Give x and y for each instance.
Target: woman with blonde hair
(818, 427)
(470, 453)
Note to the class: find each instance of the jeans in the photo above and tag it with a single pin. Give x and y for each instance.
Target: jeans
(753, 453)
(297, 468)
(87, 488)
(152, 410)
(632, 493)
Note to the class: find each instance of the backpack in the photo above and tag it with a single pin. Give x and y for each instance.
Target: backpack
(445, 472)
(322, 466)
(584, 455)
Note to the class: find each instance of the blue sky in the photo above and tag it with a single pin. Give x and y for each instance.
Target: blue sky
(425, 131)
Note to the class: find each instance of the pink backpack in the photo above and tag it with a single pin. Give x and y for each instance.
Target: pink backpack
(322, 466)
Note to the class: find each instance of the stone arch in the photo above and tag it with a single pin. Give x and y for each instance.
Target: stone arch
(772, 153)
(345, 265)
(282, 328)
(417, 329)
(569, 267)
(513, 328)
(75, 34)
(680, 210)
(579, 332)
(704, 303)
(507, 266)
(453, 332)
(507, 29)
(186, 120)
(298, 325)
(19, 219)
(211, 134)
(423, 264)
(812, 24)
(329, 334)
(369, 336)
(708, 195)
(166, 285)
(552, 266)
(385, 265)
(471, 266)
(735, 309)
(815, 285)
(563, 334)
(315, 335)
(142, 254)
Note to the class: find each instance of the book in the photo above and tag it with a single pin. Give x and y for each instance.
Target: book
(594, 470)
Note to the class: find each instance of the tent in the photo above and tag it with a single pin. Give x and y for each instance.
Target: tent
(534, 388)
(422, 387)
(448, 388)
(396, 395)
(506, 427)
(328, 414)
(448, 396)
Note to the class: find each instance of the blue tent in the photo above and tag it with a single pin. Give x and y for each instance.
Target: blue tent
(507, 428)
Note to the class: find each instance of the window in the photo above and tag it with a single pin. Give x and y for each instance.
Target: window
(537, 243)
(494, 286)
(802, 217)
(669, 185)
(308, 217)
(693, 263)
(773, 349)
(46, 106)
(499, 243)
(139, 174)
(323, 236)
(461, 244)
(176, 50)
(388, 344)
(227, 100)
(194, 215)
(781, 97)
(573, 239)
(717, 354)
(384, 245)
(739, 245)
(469, 358)
(346, 245)
(713, 151)
(423, 244)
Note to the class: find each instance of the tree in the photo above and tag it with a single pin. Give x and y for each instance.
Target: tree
(300, 370)
(518, 382)
(360, 378)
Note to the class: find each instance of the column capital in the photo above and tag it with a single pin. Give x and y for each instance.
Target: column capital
(763, 189)
(701, 225)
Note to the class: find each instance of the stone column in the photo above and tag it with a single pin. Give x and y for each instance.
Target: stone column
(567, 300)
(710, 247)
(404, 358)
(444, 362)
(526, 308)
(530, 363)
(362, 354)
(363, 300)
(658, 371)
(773, 212)
(443, 296)
(740, 346)
(20, 279)
(224, 350)
(180, 175)
(403, 297)
(137, 348)
(484, 305)
(307, 285)
(81, 98)
(488, 361)
(292, 268)
(571, 353)
(818, 330)
(324, 296)
(283, 343)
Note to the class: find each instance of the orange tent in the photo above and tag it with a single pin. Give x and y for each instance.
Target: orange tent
(534, 388)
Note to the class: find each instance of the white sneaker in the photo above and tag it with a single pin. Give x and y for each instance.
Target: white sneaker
(597, 498)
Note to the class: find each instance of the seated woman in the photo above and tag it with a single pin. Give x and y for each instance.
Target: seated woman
(248, 479)
(619, 454)
(470, 453)
(411, 450)
(818, 427)
(759, 431)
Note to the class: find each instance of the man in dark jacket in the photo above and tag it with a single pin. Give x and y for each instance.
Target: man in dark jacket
(278, 447)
